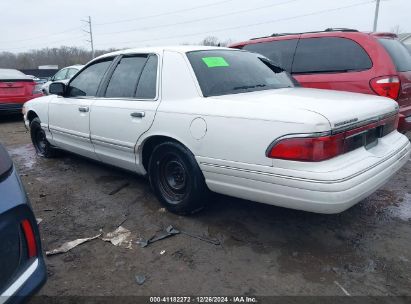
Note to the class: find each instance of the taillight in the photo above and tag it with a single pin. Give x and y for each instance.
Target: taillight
(387, 86)
(30, 238)
(319, 148)
(309, 149)
(37, 89)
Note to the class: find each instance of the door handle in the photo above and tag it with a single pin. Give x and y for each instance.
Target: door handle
(83, 109)
(138, 114)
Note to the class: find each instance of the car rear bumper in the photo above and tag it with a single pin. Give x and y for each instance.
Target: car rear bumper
(10, 107)
(332, 196)
(27, 284)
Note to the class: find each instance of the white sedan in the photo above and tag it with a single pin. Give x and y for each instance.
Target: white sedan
(197, 118)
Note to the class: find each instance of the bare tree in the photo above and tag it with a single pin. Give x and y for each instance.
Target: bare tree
(62, 56)
(214, 41)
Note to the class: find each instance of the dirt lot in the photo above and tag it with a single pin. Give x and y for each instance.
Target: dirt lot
(264, 250)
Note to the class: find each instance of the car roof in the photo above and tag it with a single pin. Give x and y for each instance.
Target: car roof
(75, 66)
(178, 48)
(327, 33)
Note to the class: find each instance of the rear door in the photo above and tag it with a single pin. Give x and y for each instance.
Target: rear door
(401, 58)
(334, 63)
(125, 109)
(69, 116)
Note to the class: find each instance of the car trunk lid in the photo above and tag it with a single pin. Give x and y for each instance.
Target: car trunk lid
(16, 88)
(339, 108)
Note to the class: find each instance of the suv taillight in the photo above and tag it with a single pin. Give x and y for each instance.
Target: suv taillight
(319, 148)
(388, 86)
(30, 238)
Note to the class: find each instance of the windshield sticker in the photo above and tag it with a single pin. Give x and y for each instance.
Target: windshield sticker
(213, 62)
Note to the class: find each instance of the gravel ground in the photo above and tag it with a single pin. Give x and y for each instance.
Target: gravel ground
(264, 250)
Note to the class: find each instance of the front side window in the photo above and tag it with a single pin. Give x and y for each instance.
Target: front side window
(280, 52)
(329, 55)
(60, 75)
(222, 72)
(71, 73)
(87, 82)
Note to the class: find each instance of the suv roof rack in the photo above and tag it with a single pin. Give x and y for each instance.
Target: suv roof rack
(330, 29)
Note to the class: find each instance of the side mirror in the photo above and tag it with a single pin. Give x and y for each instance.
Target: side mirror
(57, 88)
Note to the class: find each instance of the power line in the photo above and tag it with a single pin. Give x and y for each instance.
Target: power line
(42, 36)
(200, 19)
(166, 13)
(249, 25)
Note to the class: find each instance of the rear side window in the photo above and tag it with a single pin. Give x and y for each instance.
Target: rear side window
(330, 55)
(280, 52)
(123, 82)
(398, 52)
(87, 82)
(147, 85)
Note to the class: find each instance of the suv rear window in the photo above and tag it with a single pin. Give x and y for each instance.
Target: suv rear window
(230, 72)
(398, 52)
(330, 55)
(280, 52)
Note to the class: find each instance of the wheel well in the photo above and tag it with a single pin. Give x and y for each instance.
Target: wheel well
(31, 115)
(150, 144)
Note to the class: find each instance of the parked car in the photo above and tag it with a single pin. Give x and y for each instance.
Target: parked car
(198, 118)
(22, 266)
(63, 75)
(344, 60)
(15, 89)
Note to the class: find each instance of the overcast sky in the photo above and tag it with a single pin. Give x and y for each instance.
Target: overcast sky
(28, 24)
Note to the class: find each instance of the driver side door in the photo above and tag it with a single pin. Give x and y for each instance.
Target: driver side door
(69, 115)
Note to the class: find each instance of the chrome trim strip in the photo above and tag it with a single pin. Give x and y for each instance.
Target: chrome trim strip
(69, 133)
(401, 149)
(363, 122)
(112, 143)
(19, 282)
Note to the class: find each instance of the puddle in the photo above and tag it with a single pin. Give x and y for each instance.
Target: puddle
(26, 154)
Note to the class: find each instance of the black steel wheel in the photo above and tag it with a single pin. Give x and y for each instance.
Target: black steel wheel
(39, 139)
(176, 178)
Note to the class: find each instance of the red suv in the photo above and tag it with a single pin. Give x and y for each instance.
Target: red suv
(345, 60)
(15, 89)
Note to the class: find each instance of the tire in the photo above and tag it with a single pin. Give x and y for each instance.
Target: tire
(176, 179)
(39, 140)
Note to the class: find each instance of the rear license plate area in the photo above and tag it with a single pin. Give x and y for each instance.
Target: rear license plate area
(371, 138)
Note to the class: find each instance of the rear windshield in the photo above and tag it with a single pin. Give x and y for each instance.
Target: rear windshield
(398, 52)
(222, 72)
(10, 74)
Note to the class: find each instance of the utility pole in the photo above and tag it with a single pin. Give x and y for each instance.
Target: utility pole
(377, 9)
(90, 32)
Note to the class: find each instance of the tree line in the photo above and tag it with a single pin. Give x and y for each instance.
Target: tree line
(66, 55)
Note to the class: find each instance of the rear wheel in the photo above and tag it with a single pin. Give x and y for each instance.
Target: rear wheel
(176, 178)
(39, 139)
